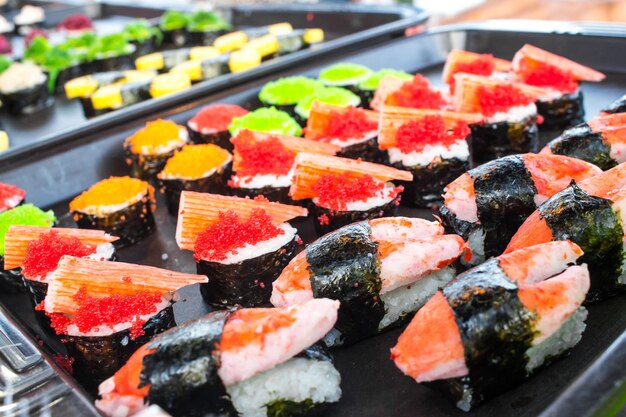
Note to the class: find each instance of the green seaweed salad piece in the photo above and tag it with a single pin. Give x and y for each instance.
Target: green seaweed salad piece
(203, 21)
(24, 215)
(266, 119)
(5, 63)
(113, 45)
(172, 20)
(52, 58)
(141, 30)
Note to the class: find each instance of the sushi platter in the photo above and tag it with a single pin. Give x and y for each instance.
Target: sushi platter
(59, 174)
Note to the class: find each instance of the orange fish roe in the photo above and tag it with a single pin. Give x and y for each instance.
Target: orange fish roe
(250, 326)
(111, 191)
(216, 117)
(546, 75)
(415, 135)
(333, 191)
(194, 161)
(349, 123)
(160, 133)
(259, 157)
(10, 196)
(417, 94)
(43, 254)
(231, 232)
(494, 99)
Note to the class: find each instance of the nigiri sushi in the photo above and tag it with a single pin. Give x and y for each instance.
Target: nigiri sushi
(489, 203)
(416, 93)
(247, 362)
(498, 323)
(381, 270)
(241, 244)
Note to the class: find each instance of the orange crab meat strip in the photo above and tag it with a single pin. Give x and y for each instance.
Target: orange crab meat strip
(533, 231)
(579, 72)
(602, 184)
(553, 173)
(128, 378)
(250, 326)
(323, 117)
(472, 63)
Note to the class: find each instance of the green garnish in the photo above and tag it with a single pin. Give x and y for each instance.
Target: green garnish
(173, 19)
(37, 50)
(203, 21)
(56, 60)
(372, 81)
(288, 90)
(111, 46)
(24, 215)
(5, 63)
(266, 119)
(141, 30)
(330, 95)
(344, 74)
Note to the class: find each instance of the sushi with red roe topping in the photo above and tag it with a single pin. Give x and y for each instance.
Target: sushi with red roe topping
(345, 191)
(103, 321)
(10, 196)
(431, 144)
(459, 61)
(417, 93)
(263, 163)
(241, 244)
(563, 106)
(202, 168)
(210, 124)
(354, 129)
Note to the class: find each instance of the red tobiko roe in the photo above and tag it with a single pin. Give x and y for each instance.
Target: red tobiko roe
(546, 75)
(493, 99)
(415, 135)
(268, 156)
(217, 117)
(230, 232)
(5, 46)
(333, 191)
(481, 65)
(417, 94)
(76, 22)
(349, 123)
(33, 34)
(10, 196)
(43, 255)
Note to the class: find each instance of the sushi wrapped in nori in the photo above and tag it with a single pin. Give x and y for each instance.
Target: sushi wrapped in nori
(121, 206)
(431, 144)
(150, 147)
(497, 324)
(563, 107)
(241, 244)
(24, 89)
(10, 196)
(173, 25)
(103, 321)
(345, 191)
(367, 87)
(210, 124)
(459, 61)
(345, 75)
(601, 141)
(143, 35)
(112, 52)
(164, 61)
(415, 93)
(590, 214)
(202, 168)
(382, 271)
(489, 203)
(285, 93)
(336, 96)
(247, 363)
(204, 27)
(263, 163)
(618, 106)
(355, 130)
(85, 86)
(266, 119)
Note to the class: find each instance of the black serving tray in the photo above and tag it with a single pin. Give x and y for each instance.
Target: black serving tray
(590, 382)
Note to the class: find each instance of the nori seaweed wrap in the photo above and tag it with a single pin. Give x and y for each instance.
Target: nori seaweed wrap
(563, 111)
(490, 141)
(327, 219)
(173, 26)
(113, 53)
(210, 124)
(24, 89)
(618, 106)
(145, 37)
(204, 27)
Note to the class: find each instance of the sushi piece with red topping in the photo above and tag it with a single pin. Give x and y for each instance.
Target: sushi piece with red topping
(10, 196)
(381, 270)
(416, 93)
(241, 244)
(251, 362)
(459, 61)
(210, 124)
(353, 129)
(498, 323)
(563, 106)
(104, 311)
(263, 163)
(345, 191)
(489, 203)
(431, 144)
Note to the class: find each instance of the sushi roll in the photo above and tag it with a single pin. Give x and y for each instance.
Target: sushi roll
(285, 93)
(431, 144)
(204, 27)
(590, 214)
(170, 83)
(145, 37)
(416, 93)
(601, 141)
(37, 250)
(102, 322)
(366, 88)
(563, 106)
(353, 129)
(75, 25)
(345, 75)
(24, 89)
(10, 196)
(263, 163)
(112, 52)
(497, 324)
(210, 124)
(257, 362)
(345, 191)
(266, 119)
(164, 61)
(382, 271)
(121, 206)
(23, 215)
(241, 244)
(510, 124)
(202, 168)
(467, 62)
(149, 148)
(618, 106)
(28, 18)
(173, 25)
(330, 95)
(133, 88)
(489, 203)
(233, 41)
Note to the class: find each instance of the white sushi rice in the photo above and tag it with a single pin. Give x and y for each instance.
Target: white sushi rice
(382, 197)
(12, 201)
(514, 114)
(344, 143)
(169, 146)
(105, 210)
(476, 244)
(430, 153)
(263, 180)
(261, 248)
(206, 174)
(297, 380)
(152, 411)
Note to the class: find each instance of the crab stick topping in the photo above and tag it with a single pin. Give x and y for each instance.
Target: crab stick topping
(327, 122)
(604, 121)
(417, 93)
(111, 194)
(602, 184)
(472, 63)
(157, 137)
(195, 161)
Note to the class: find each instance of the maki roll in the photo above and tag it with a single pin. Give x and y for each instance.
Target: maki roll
(103, 321)
(121, 206)
(203, 28)
(112, 52)
(459, 61)
(145, 37)
(497, 324)
(173, 26)
(366, 88)
(285, 93)
(263, 163)
(601, 141)
(149, 148)
(233, 41)
(266, 119)
(24, 215)
(563, 106)
(416, 93)
(590, 214)
(345, 191)
(431, 144)
(345, 75)
(330, 95)
(10, 196)
(489, 203)
(382, 271)
(201, 168)
(257, 362)
(241, 244)
(618, 106)
(76, 25)
(28, 18)
(210, 124)
(164, 61)
(353, 129)
(24, 89)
